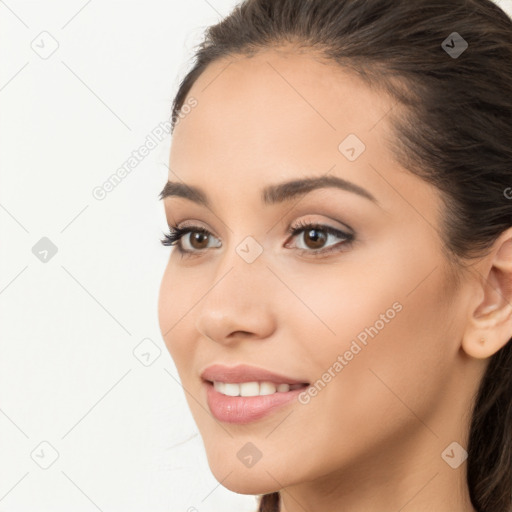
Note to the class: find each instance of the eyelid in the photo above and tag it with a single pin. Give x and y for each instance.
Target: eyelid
(178, 232)
(347, 237)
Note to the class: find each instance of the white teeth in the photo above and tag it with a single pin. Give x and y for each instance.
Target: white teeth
(267, 388)
(249, 389)
(252, 388)
(231, 389)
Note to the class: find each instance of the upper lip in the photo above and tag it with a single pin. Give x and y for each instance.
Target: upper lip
(245, 373)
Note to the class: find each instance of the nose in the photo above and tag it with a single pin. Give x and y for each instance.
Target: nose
(238, 303)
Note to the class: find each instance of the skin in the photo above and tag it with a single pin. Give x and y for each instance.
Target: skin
(372, 438)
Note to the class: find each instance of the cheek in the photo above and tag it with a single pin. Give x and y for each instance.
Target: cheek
(394, 377)
(392, 331)
(175, 302)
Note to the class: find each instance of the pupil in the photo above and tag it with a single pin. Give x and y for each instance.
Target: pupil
(316, 237)
(199, 237)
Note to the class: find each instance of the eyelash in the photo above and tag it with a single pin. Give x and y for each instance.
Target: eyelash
(175, 234)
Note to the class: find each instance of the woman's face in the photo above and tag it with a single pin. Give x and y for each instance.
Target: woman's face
(373, 324)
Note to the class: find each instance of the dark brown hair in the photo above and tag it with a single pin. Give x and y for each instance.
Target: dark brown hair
(452, 126)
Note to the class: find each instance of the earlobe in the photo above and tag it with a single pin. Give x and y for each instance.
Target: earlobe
(482, 348)
(489, 326)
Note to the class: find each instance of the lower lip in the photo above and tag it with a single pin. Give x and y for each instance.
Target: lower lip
(245, 409)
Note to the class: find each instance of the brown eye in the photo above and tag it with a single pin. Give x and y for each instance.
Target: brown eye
(314, 238)
(198, 240)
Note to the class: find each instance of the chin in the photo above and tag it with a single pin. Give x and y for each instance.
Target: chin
(241, 480)
(248, 485)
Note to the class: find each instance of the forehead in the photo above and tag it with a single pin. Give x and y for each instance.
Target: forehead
(277, 114)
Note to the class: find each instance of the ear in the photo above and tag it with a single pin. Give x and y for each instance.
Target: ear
(489, 325)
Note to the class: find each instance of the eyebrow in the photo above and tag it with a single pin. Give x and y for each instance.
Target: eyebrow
(271, 194)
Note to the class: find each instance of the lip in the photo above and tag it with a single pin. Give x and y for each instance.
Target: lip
(246, 409)
(245, 373)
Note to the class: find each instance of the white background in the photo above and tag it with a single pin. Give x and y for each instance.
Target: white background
(68, 327)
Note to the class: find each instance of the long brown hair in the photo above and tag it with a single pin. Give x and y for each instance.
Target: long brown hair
(452, 128)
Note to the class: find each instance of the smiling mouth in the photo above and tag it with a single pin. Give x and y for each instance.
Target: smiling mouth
(253, 388)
